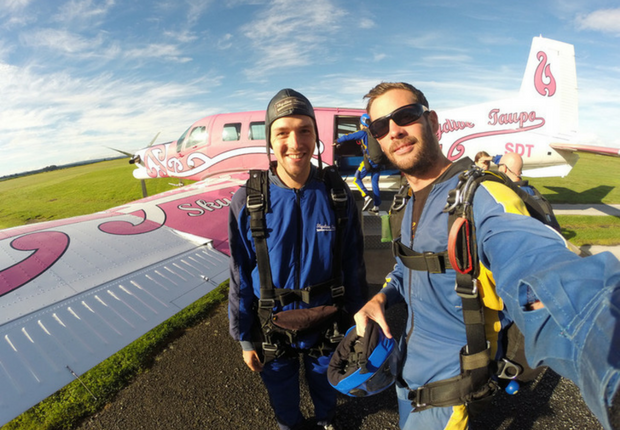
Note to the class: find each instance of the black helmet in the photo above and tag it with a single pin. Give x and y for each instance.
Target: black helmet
(286, 103)
(363, 366)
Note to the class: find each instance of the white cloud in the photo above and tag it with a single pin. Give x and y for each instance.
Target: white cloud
(60, 40)
(196, 9)
(82, 11)
(225, 41)
(157, 50)
(291, 32)
(366, 23)
(604, 20)
(78, 117)
(185, 36)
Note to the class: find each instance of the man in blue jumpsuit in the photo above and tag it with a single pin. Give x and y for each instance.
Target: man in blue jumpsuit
(301, 232)
(373, 158)
(575, 327)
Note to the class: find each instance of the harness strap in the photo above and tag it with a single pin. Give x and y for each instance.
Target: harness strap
(286, 296)
(474, 383)
(257, 204)
(338, 196)
(433, 262)
(401, 197)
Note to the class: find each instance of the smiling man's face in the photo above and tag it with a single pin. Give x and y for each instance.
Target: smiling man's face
(412, 148)
(293, 140)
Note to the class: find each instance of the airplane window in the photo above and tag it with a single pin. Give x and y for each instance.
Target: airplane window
(197, 137)
(231, 132)
(180, 140)
(257, 130)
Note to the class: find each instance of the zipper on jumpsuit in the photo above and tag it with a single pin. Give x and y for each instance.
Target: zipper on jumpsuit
(299, 239)
(409, 273)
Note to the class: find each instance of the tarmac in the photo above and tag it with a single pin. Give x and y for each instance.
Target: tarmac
(201, 382)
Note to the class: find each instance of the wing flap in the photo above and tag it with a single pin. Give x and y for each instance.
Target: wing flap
(39, 351)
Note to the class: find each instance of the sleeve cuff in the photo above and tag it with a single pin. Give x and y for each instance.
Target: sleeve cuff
(246, 345)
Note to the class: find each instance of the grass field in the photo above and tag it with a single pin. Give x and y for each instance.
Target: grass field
(594, 179)
(70, 192)
(87, 189)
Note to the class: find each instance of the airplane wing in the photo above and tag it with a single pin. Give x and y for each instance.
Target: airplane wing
(75, 291)
(571, 147)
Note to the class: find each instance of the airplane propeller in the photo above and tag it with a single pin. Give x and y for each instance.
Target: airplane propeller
(136, 159)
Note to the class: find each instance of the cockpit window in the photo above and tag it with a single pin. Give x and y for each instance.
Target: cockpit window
(231, 132)
(197, 137)
(257, 130)
(180, 140)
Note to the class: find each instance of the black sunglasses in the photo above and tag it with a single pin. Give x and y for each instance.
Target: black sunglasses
(404, 115)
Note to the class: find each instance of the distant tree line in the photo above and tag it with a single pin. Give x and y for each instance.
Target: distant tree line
(55, 167)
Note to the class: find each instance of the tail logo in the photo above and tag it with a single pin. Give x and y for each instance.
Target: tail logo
(543, 79)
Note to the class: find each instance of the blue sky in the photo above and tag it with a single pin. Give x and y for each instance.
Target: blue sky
(78, 76)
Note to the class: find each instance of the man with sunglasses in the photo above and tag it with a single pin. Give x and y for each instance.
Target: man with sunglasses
(575, 331)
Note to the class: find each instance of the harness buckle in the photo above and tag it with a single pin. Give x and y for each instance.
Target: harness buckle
(398, 203)
(339, 195)
(418, 396)
(305, 295)
(337, 292)
(465, 292)
(269, 348)
(266, 304)
(509, 369)
(255, 202)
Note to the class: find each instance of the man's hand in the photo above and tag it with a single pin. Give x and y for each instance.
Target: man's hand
(373, 310)
(252, 360)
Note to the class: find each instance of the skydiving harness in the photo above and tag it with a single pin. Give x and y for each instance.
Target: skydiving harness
(282, 329)
(479, 373)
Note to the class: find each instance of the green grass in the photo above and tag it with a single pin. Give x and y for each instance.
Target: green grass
(594, 179)
(70, 192)
(590, 230)
(92, 188)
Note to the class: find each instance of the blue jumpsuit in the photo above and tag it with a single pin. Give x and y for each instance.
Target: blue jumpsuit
(576, 333)
(301, 226)
(362, 171)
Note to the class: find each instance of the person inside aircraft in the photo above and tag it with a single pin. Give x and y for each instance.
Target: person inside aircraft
(373, 159)
(574, 331)
(297, 267)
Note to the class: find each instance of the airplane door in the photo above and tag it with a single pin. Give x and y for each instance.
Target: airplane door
(348, 155)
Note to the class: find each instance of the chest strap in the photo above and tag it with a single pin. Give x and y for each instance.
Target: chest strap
(433, 262)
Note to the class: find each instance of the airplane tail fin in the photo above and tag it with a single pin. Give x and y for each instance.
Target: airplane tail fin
(551, 80)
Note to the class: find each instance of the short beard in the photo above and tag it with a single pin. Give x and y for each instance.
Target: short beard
(425, 160)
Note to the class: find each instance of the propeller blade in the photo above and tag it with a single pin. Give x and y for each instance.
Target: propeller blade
(128, 154)
(155, 138)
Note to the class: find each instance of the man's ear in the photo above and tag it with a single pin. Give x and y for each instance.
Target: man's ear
(434, 120)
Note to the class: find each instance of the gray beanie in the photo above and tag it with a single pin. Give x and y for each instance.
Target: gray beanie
(286, 103)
